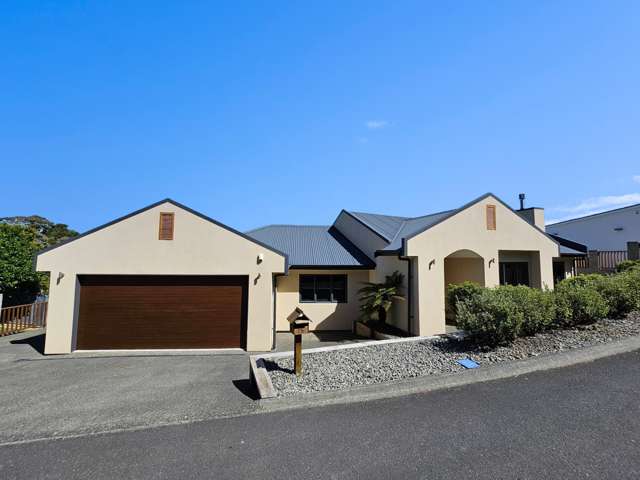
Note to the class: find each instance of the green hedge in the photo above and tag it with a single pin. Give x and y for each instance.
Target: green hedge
(499, 315)
(628, 265)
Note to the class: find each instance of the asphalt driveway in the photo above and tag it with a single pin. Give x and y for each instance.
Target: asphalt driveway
(44, 396)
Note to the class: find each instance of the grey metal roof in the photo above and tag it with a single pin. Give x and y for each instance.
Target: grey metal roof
(385, 225)
(312, 246)
(394, 228)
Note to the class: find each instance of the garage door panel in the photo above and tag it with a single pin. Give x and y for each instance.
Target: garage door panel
(161, 312)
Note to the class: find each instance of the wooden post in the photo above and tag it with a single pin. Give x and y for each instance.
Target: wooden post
(297, 354)
(594, 261)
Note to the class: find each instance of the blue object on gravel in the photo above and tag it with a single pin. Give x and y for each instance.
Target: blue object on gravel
(468, 363)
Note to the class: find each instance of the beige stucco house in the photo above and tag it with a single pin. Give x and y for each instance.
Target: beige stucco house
(167, 277)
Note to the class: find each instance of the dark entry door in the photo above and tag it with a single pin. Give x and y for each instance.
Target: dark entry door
(514, 273)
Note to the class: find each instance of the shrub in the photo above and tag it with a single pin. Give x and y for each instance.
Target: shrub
(616, 290)
(538, 308)
(491, 317)
(630, 283)
(628, 265)
(459, 292)
(578, 302)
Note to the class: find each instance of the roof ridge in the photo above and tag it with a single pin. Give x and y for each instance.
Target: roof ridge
(353, 212)
(271, 225)
(404, 222)
(435, 213)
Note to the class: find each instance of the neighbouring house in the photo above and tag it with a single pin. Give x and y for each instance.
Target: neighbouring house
(605, 231)
(168, 277)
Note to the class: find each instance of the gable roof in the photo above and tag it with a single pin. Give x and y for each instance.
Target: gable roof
(397, 230)
(394, 229)
(176, 204)
(313, 246)
(635, 205)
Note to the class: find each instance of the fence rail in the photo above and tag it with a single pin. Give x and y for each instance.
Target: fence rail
(21, 317)
(601, 261)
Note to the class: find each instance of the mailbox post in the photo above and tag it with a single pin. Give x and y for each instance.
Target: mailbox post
(298, 325)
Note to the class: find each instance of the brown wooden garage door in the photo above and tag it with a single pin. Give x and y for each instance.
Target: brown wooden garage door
(142, 312)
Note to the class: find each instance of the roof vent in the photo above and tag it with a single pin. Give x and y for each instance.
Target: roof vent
(522, 196)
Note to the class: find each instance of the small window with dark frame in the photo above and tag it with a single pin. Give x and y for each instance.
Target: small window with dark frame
(323, 288)
(166, 226)
(491, 217)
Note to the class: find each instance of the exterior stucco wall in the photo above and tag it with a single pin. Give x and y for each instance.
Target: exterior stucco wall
(385, 266)
(323, 315)
(131, 247)
(598, 232)
(459, 270)
(467, 230)
(361, 236)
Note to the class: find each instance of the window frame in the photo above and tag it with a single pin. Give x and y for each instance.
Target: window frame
(307, 276)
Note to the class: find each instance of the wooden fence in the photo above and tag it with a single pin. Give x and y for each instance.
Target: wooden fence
(21, 317)
(601, 261)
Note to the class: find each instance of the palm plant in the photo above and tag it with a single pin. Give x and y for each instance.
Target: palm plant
(377, 298)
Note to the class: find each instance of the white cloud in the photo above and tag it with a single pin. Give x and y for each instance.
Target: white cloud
(594, 205)
(376, 124)
(636, 178)
(362, 140)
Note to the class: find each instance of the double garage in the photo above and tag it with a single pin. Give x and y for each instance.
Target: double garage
(163, 277)
(161, 312)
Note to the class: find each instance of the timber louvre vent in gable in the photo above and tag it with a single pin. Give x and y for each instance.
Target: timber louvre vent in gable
(165, 231)
(491, 217)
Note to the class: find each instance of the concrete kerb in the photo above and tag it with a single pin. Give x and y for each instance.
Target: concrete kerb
(438, 382)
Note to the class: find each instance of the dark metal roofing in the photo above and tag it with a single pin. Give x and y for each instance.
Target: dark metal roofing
(384, 225)
(394, 229)
(312, 246)
(569, 247)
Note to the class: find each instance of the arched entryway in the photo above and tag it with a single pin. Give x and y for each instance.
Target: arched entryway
(462, 266)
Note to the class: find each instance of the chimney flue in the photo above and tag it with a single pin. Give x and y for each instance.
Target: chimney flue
(521, 197)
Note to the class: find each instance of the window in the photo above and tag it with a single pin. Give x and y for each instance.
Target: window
(165, 231)
(514, 273)
(491, 217)
(323, 288)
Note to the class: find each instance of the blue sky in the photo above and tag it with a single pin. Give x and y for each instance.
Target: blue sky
(268, 112)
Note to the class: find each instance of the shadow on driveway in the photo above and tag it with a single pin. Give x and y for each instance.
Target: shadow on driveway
(36, 342)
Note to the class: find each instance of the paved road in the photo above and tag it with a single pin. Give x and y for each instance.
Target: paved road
(577, 422)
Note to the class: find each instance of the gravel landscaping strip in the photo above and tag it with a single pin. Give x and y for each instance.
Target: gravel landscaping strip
(384, 363)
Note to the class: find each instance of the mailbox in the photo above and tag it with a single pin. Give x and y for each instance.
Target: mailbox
(298, 325)
(298, 322)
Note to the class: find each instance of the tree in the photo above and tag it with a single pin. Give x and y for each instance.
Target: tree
(19, 282)
(20, 239)
(376, 298)
(46, 232)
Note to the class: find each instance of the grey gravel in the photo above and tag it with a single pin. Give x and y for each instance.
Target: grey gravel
(395, 361)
